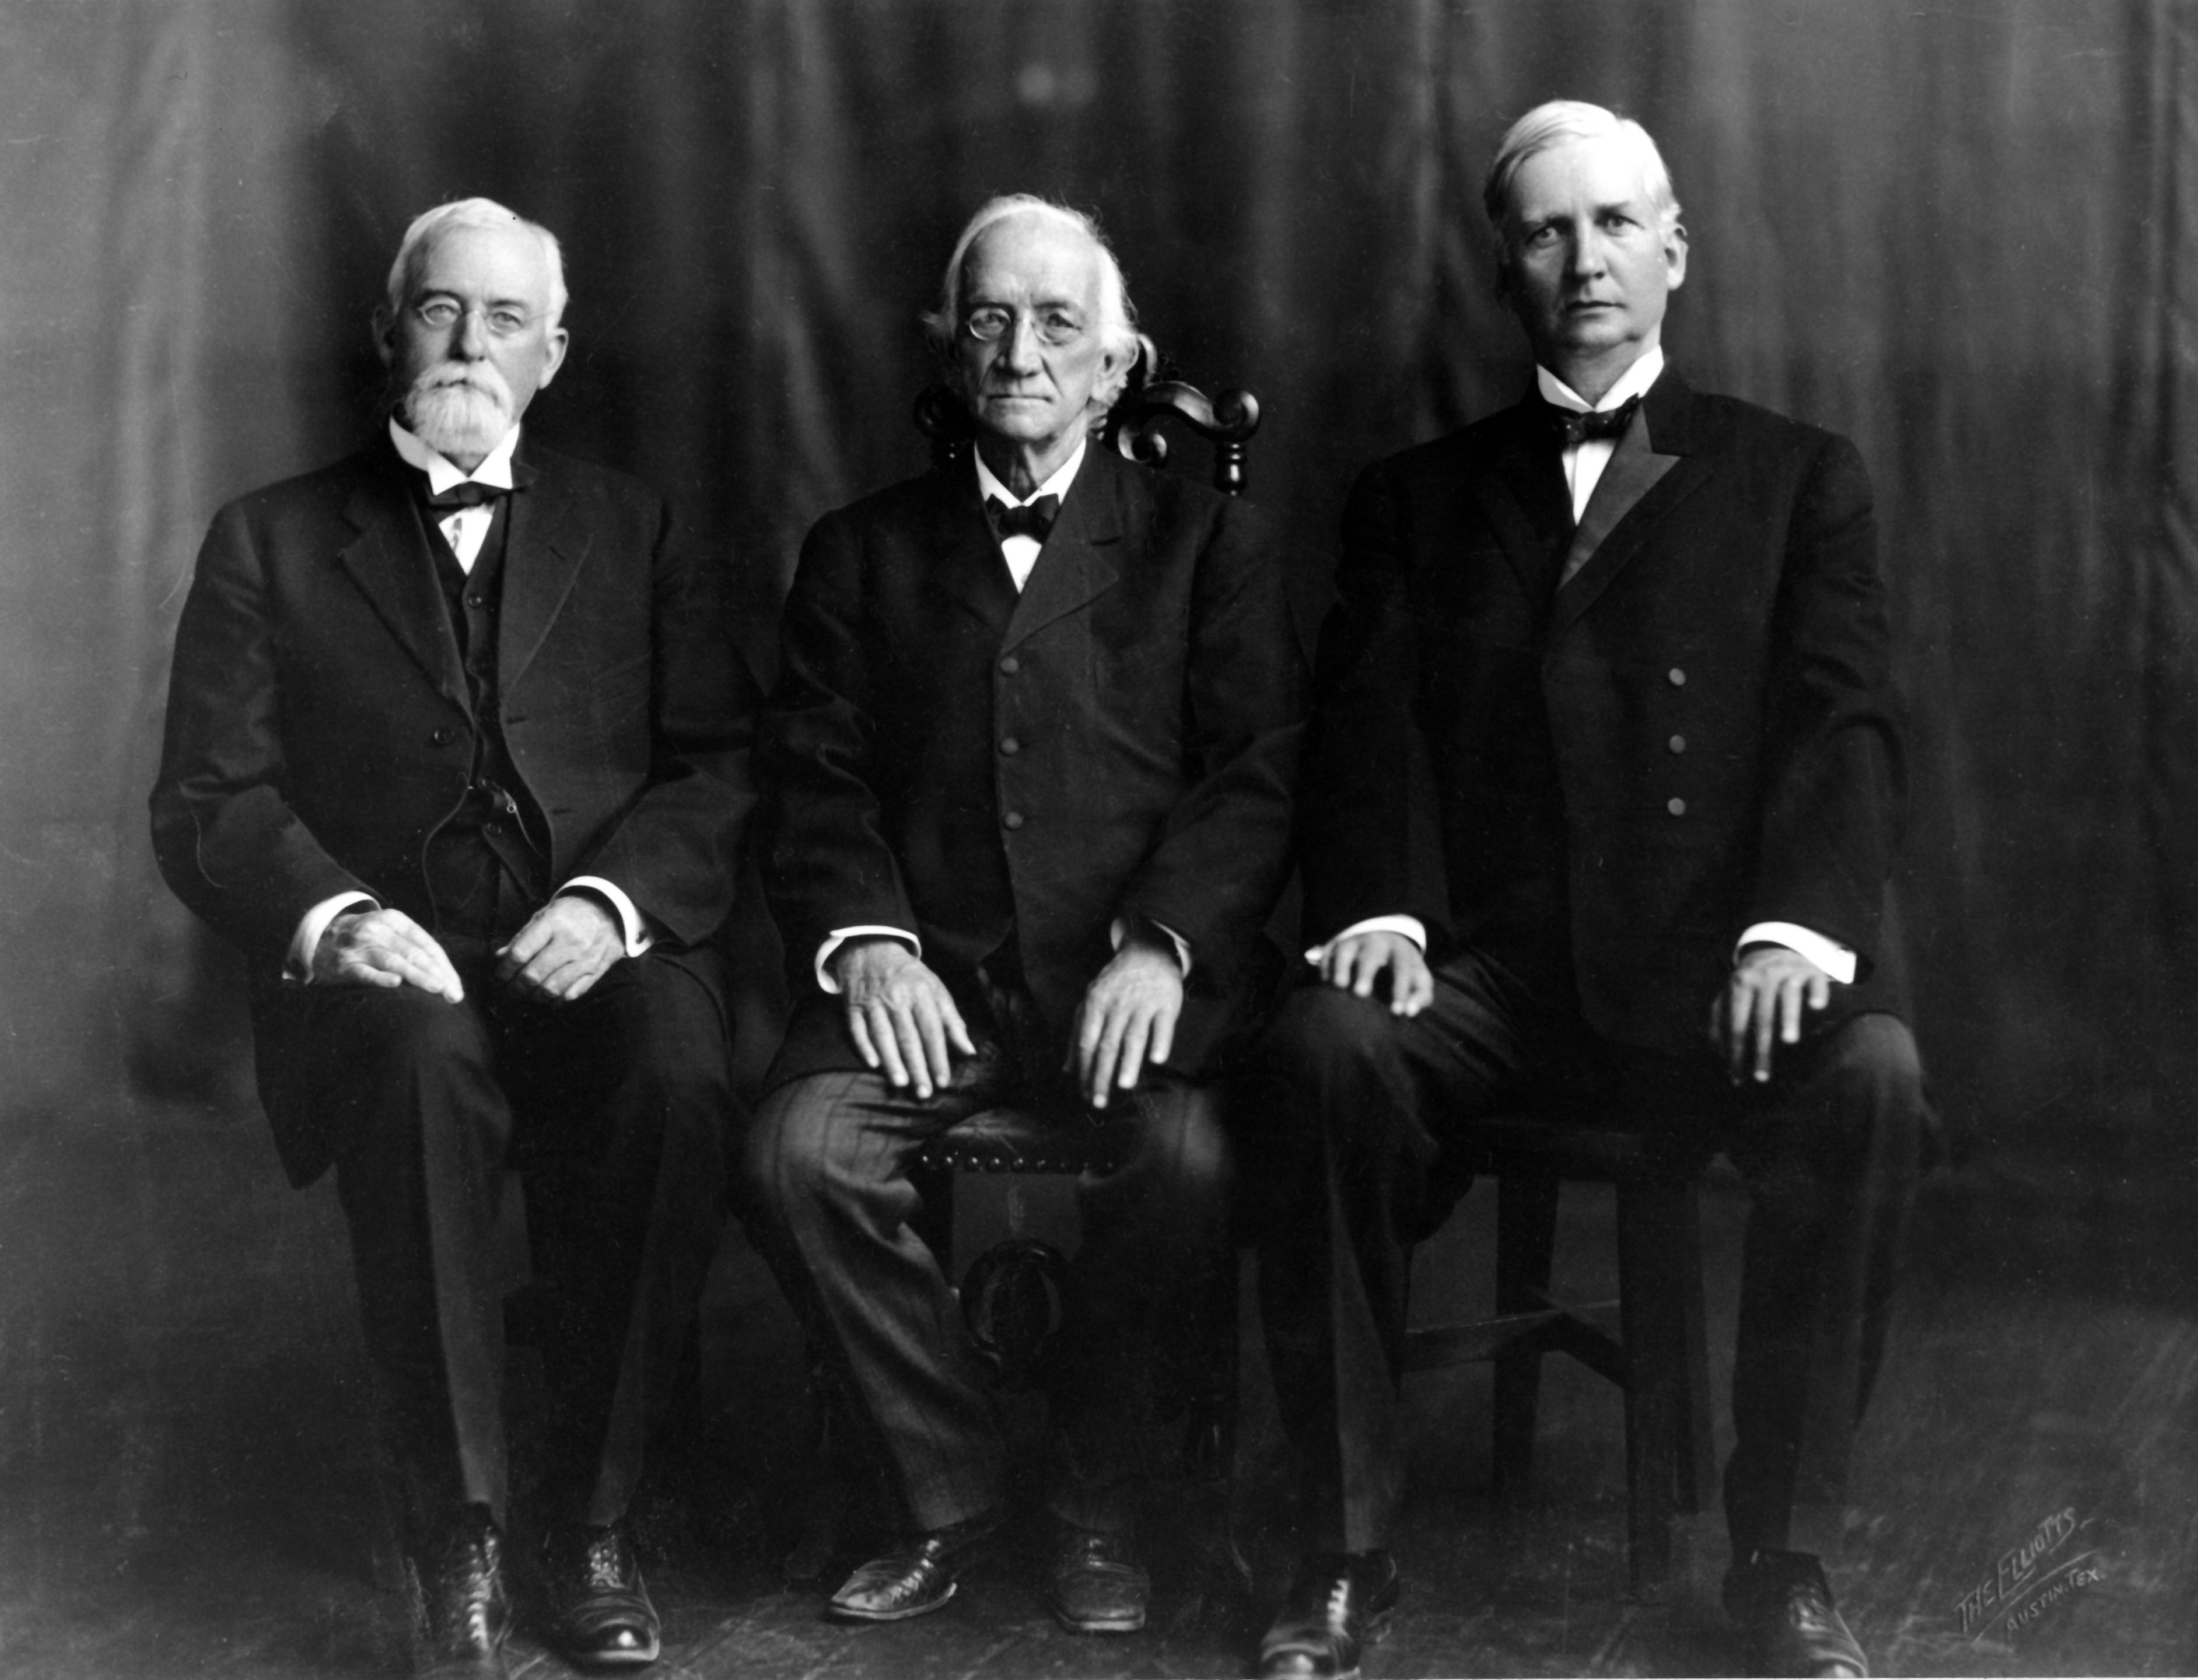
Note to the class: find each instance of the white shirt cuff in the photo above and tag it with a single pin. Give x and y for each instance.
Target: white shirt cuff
(298, 962)
(1118, 929)
(638, 939)
(825, 977)
(1829, 954)
(1410, 925)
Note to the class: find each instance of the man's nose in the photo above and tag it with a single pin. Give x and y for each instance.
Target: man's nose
(469, 337)
(1019, 346)
(1587, 257)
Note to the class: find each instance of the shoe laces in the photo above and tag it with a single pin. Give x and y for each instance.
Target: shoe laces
(1338, 1599)
(463, 1594)
(604, 1562)
(1811, 1607)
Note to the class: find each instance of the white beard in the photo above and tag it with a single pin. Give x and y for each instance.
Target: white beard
(459, 419)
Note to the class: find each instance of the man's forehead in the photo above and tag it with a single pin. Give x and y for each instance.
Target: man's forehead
(508, 262)
(1033, 253)
(1603, 168)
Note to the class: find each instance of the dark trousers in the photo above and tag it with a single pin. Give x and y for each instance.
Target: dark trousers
(1371, 1104)
(826, 1195)
(614, 1108)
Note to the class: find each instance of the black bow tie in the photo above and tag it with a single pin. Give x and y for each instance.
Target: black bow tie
(466, 493)
(1576, 428)
(1033, 520)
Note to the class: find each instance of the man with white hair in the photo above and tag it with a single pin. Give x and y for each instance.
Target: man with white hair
(1604, 747)
(1025, 784)
(457, 757)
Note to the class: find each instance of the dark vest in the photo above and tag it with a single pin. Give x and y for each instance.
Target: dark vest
(488, 863)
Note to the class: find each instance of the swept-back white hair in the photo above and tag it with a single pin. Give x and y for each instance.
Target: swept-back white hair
(1558, 123)
(471, 212)
(1118, 316)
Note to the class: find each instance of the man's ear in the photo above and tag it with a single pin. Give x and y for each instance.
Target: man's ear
(385, 334)
(552, 357)
(1675, 256)
(1113, 374)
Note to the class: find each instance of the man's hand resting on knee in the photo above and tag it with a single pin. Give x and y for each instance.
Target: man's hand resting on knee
(565, 947)
(1771, 993)
(1127, 1018)
(900, 1014)
(383, 947)
(1355, 963)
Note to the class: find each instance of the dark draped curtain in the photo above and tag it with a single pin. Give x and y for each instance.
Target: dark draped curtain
(1967, 236)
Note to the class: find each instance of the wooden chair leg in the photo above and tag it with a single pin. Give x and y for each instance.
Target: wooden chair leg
(934, 1214)
(1650, 1239)
(1526, 1240)
(1697, 1466)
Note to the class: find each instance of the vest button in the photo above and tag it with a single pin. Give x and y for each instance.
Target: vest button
(476, 601)
(1677, 807)
(443, 737)
(1678, 677)
(1013, 819)
(1011, 665)
(1679, 743)
(1010, 747)
(492, 826)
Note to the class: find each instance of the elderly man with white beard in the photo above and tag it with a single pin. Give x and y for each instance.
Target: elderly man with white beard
(457, 757)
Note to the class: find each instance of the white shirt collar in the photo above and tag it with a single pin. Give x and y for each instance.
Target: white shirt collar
(442, 474)
(1633, 382)
(988, 485)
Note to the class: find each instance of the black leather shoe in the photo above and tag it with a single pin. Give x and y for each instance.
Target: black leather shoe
(604, 1617)
(1094, 1582)
(460, 1610)
(1781, 1601)
(1340, 1603)
(914, 1578)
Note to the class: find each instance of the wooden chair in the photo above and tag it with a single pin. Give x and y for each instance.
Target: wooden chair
(1011, 1294)
(1658, 1358)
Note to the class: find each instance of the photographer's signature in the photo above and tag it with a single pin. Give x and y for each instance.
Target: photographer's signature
(2057, 1560)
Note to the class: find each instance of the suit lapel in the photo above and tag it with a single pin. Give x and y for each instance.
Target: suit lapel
(390, 563)
(960, 558)
(1631, 472)
(543, 551)
(1074, 567)
(1657, 465)
(1523, 480)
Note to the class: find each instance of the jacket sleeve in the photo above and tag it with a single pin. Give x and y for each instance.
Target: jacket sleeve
(1834, 773)
(1370, 830)
(224, 835)
(1224, 852)
(827, 862)
(676, 848)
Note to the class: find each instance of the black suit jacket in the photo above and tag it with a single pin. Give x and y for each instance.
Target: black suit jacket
(319, 728)
(1711, 680)
(944, 756)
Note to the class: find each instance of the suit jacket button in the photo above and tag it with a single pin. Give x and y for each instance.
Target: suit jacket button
(1677, 807)
(1679, 743)
(1011, 746)
(1011, 665)
(443, 737)
(1013, 819)
(1678, 677)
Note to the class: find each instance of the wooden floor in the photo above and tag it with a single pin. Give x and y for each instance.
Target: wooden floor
(184, 1490)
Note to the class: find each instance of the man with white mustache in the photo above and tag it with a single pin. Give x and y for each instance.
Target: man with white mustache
(457, 757)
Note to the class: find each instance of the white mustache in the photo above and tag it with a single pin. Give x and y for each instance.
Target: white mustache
(484, 379)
